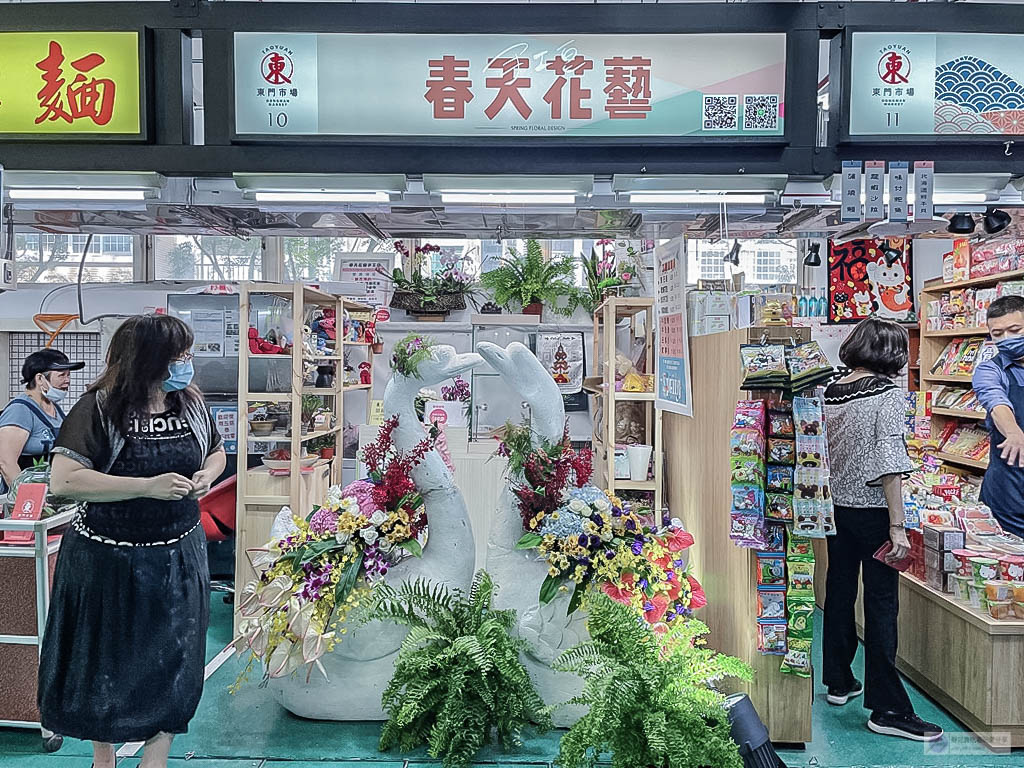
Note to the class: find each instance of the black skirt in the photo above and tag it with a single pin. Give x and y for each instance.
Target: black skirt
(125, 643)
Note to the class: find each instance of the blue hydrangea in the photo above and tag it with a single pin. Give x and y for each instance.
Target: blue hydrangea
(588, 494)
(568, 524)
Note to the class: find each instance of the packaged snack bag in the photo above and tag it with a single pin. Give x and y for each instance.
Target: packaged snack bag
(798, 658)
(799, 548)
(746, 529)
(771, 570)
(747, 499)
(800, 618)
(747, 470)
(801, 579)
(781, 451)
(779, 479)
(779, 507)
(771, 637)
(746, 442)
(771, 604)
(775, 537)
(749, 414)
(780, 424)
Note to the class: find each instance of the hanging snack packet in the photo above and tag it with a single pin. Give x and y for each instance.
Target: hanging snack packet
(780, 424)
(808, 416)
(749, 415)
(747, 499)
(781, 451)
(771, 570)
(779, 508)
(779, 479)
(798, 658)
(746, 442)
(775, 538)
(771, 637)
(771, 604)
(799, 548)
(764, 366)
(801, 580)
(747, 470)
(746, 530)
(807, 519)
(800, 619)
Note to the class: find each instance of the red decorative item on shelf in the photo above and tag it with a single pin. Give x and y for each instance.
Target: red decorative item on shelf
(365, 375)
(260, 346)
(861, 282)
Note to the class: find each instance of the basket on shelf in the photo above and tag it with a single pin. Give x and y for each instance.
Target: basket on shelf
(413, 302)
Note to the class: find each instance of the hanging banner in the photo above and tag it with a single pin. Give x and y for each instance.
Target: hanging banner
(673, 361)
(862, 283)
(561, 354)
(899, 173)
(924, 186)
(69, 83)
(927, 83)
(295, 84)
(874, 190)
(852, 209)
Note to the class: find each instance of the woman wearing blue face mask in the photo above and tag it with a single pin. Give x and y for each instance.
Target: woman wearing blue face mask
(123, 654)
(30, 423)
(999, 384)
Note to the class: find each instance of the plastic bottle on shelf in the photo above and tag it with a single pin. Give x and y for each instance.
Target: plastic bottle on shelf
(812, 303)
(823, 303)
(802, 307)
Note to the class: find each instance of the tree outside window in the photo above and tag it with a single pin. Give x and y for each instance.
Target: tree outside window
(50, 258)
(213, 258)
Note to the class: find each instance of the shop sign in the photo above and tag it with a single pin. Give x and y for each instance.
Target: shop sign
(899, 172)
(308, 84)
(69, 83)
(926, 83)
(672, 372)
(924, 188)
(852, 209)
(874, 197)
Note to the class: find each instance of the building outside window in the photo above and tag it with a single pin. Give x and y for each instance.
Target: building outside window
(215, 258)
(764, 262)
(48, 258)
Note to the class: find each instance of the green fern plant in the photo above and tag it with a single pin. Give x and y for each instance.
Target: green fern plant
(650, 698)
(458, 676)
(529, 278)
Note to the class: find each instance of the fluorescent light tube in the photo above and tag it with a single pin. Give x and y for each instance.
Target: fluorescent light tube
(322, 197)
(28, 193)
(695, 198)
(509, 198)
(941, 198)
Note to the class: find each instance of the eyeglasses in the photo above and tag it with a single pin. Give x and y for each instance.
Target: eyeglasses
(185, 358)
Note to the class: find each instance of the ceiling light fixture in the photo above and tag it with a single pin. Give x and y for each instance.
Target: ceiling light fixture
(694, 198)
(733, 256)
(813, 257)
(995, 221)
(509, 198)
(961, 224)
(321, 197)
(27, 193)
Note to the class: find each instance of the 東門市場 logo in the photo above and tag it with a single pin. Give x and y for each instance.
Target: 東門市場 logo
(276, 66)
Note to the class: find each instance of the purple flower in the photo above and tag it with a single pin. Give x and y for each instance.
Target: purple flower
(643, 584)
(678, 563)
(630, 525)
(609, 553)
(637, 547)
(648, 606)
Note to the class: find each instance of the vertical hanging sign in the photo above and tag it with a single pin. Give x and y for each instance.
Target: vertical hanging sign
(874, 190)
(924, 185)
(899, 173)
(852, 209)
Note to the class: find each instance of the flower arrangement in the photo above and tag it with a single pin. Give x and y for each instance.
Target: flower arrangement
(438, 293)
(603, 274)
(309, 581)
(592, 540)
(651, 698)
(458, 392)
(409, 353)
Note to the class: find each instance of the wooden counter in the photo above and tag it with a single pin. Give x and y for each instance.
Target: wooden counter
(698, 485)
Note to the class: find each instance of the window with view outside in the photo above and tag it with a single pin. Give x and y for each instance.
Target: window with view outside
(47, 258)
(314, 259)
(764, 262)
(213, 258)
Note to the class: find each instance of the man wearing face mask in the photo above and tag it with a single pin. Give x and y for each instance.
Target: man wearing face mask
(30, 423)
(999, 384)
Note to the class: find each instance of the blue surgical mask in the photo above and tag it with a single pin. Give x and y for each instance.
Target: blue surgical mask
(180, 376)
(1012, 347)
(55, 395)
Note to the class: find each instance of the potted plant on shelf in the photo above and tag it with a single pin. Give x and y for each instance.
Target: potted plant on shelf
(323, 446)
(434, 295)
(604, 276)
(531, 281)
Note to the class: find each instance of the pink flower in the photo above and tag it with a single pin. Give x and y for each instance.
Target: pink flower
(627, 276)
(697, 597)
(679, 540)
(362, 490)
(655, 609)
(623, 594)
(323, 521)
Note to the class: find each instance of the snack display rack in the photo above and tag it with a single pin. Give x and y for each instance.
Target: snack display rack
(27, 572)
(699, 486)
(261, 493)
(606, 320)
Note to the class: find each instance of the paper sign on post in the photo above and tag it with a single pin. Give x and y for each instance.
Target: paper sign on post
(874, 190)
(28, 505)
(899, 173)
(924, 186)
(852, 210)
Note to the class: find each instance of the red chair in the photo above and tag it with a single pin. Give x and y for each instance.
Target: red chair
(217, 511)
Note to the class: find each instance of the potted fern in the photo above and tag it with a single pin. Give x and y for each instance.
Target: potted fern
(651, 698)
(458, 676)
(531, 281)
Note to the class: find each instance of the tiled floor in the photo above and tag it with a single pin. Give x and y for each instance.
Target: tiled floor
(249, 730)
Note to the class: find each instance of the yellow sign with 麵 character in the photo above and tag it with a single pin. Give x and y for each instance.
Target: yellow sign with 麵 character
(69, 82)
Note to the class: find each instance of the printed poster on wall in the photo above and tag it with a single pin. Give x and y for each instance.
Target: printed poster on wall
(928, 83)
(310, 84)
(561, 354)
(673, 361)
(860, 283)
(366, 268)
(226, 417)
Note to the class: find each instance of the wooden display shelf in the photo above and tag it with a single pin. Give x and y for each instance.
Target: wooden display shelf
(593, 386)
(962, 461)
(978, 618)
(636, 485)
(624, 306)
(939, 379)
(937, 286)
(957, 413)
(356, 387)
(955, 333)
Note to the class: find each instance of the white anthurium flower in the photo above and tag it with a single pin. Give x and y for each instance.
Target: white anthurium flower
(277, 665)
(676, 522)
(378, 517)
(258, 641)
(276, 593)
(249, 600)
(300, 619)
(314, 645)
(261, 558)
(369, 535)
(342, 536)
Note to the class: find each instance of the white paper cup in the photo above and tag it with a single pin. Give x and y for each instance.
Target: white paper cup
(639, 461)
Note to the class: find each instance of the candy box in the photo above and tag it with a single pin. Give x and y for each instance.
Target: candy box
(940, 562)
(779, 479)
(771, 570)
(801, 619)
(801, 579)
(781, 451)
(1011, 568)
(946, 492)
(999, 609)
(779, 507)
(746, 442)
(943, 538)
(771, 604)
(771, 637)
(938, 580)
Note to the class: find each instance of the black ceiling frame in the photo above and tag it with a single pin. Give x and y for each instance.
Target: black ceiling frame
(169, 24)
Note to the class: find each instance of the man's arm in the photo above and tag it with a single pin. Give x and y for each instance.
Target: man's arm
(992, 387)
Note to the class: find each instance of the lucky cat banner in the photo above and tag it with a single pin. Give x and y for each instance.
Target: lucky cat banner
(862, 283)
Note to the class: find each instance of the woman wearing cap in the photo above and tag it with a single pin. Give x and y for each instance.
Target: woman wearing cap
(123, 653)
(30, 423)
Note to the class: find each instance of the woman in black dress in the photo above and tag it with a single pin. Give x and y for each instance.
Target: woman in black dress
(123, 654)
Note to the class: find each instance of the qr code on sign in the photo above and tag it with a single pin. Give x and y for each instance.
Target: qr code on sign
(761, 113)
(721, 113)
